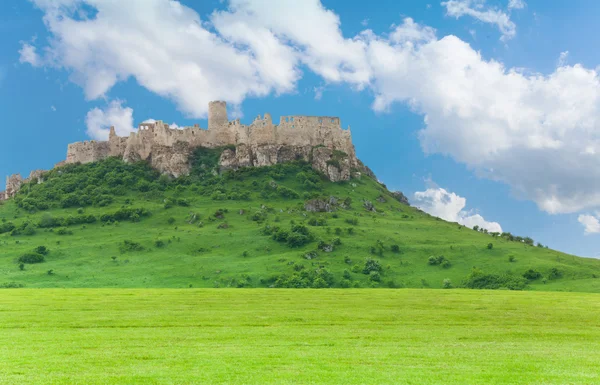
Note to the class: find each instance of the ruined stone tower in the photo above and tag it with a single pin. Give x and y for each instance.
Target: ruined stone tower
(217, 115)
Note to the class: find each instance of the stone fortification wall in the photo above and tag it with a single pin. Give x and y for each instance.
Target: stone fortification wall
(259, 144)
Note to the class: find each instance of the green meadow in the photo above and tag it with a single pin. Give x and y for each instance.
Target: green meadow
(262, 336)
(110, 224)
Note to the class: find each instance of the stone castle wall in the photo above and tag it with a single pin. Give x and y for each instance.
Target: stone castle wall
(316, 139)
(259, 144)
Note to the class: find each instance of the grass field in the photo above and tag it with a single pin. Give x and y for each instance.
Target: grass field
(258, 336)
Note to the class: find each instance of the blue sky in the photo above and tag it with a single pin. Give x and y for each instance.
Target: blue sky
(482, 112)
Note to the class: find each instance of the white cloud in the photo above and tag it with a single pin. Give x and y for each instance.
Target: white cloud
(304, 32)
(99, 121)
(562, 59)
(165, 47)
(365, 22)
(318, 92)
(53, 108)
(591, 223)
(537, 133)
(516, 4)
(450, 207)
(28, 54)
(411, 32)
(478, 10)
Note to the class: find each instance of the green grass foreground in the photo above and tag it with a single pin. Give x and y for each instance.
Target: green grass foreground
(260, 336)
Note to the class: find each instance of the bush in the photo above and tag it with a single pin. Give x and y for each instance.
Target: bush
(375, 276)
(447, 284)
(317, 222)
(554, 273)
(159, 243)
(395, 248)
(352, 221)
(440, 260)
(371, 265)
(511, 258)
(43, 250)
(490, 246)
(31, 258)
(64, 231)
(6, 227)
(477, 279)
(288, 193)
(297, 239)
(346, 274)
(128, 245)
(532, 275)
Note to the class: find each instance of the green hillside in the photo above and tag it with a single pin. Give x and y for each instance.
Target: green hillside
(112, 224)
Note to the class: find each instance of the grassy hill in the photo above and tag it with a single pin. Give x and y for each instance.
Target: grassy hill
(111, 224)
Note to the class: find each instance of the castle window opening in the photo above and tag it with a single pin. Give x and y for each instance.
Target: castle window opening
(331, 120)
(287, 119)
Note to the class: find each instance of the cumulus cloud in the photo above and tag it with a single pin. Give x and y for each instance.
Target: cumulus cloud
(296, 31)
(165, 47)
(412, 32)
(539, 133)
(99, 121)
(450, 207)
(591, 223)
(478, 10)
(28, 54)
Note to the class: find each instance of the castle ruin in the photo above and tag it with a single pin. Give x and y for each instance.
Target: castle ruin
(319, 140)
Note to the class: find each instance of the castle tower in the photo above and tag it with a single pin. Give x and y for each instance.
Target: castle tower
(112, 134)
(217, 115)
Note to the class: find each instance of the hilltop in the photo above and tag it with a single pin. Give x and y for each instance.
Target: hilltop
(109, 223)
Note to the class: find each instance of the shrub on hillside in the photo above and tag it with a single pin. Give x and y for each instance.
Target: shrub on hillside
(128, 245)
(477, 279)
(554, 273)
(532, 275)
(31, 258)
(43, 250)
(371, 265)
(64, 231)
(6, 227)
(439, 260)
